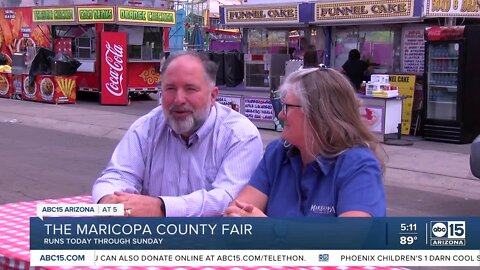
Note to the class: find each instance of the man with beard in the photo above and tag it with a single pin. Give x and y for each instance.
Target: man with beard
(188, 157)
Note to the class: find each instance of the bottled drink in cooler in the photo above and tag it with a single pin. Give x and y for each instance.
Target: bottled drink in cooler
(363, 88)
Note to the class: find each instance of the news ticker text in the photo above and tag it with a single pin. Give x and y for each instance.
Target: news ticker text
(255, 258)
(106, 237)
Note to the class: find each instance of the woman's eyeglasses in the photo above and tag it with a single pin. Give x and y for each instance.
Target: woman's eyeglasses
(285, 107)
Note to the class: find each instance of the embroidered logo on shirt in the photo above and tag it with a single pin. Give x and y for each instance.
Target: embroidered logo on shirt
(322, 209)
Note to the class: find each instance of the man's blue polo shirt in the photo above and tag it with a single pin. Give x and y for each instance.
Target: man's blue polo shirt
(326, 187)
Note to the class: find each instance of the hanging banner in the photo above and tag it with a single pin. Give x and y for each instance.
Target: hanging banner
(18, 34)
(54, 15)
(369, 10)
(113, 68)
(452, 8)
(95, 14)
(406, 88)
(261, 14)
(152, 17)
(436, 33)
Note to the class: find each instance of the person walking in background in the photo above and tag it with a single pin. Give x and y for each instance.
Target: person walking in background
(355, 68)
(188, 157)
(327, 162)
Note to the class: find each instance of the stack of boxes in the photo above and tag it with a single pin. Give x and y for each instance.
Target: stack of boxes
(379, 86)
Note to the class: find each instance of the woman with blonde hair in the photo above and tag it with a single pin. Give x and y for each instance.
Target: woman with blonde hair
(327, 162)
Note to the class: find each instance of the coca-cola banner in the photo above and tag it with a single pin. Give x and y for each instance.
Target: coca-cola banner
(444, 33)
(113, 68)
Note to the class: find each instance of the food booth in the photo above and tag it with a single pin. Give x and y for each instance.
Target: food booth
(266, 34)
(388, 34)
(18, 37)
(119, 47)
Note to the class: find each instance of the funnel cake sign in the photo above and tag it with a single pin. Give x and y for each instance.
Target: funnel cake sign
(339, 12)
(262, 14)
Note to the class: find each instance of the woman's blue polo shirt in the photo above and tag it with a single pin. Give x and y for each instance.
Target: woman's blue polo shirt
(326, 187)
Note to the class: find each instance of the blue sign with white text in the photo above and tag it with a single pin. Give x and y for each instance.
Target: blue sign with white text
(97, 233)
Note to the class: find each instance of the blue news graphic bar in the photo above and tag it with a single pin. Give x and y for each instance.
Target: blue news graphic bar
(108, 233)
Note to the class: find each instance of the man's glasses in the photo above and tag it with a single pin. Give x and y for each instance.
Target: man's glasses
(285, 107)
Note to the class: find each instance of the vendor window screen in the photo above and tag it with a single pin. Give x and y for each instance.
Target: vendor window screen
(83, 39)
(262, 41)
(144, 42)
(380, 46)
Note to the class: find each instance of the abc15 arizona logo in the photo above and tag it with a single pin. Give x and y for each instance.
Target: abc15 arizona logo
(447, 233)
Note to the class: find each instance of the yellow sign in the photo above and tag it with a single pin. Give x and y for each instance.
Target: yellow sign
(452, 8)
(262, 14)
(150, 16)
(406, 88)
(363, 10)
(43, 15)
(95, 14)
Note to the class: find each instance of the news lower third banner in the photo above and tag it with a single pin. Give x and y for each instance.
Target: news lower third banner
(129, 241)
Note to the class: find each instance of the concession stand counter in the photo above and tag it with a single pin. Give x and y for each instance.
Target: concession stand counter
(388, 34)
(266, 50)
(120, 47)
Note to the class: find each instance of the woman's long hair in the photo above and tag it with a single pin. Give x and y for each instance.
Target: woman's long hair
(332, 112)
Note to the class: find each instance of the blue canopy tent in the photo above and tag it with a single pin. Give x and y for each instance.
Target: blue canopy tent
(177, 33)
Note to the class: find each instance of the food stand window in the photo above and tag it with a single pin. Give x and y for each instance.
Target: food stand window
(380, 46)
(267, 41)
(82, 37)
(265, 61)
(144, 42)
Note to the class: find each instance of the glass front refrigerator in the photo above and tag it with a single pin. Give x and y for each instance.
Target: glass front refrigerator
(452, 84)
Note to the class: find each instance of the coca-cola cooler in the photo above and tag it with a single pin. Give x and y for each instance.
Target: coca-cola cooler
(452, 84)
(113, 62)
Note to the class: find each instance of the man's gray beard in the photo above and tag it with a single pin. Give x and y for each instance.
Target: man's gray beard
(190, 124)
(182, 126)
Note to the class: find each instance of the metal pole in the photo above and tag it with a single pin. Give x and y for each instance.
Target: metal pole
(450, 21)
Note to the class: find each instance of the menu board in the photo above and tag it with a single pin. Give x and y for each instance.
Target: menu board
(413, 49)
(230, 101)
(257, 108)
